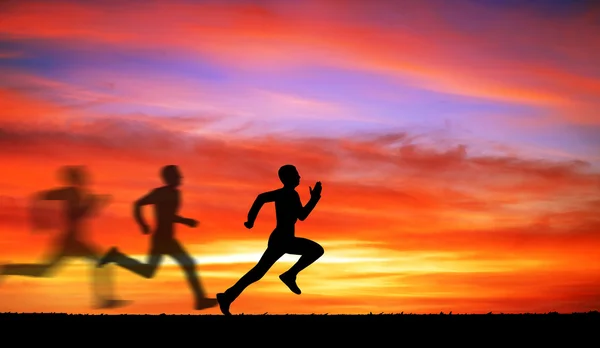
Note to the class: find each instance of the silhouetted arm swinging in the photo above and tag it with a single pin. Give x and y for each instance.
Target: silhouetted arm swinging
(59, 194)
(179, 219)
(41, 217)
(260, 200)
(150, 198)
(315, 196)
(185, 221)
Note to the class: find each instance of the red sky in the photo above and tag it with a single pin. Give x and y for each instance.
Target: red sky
(458, 157)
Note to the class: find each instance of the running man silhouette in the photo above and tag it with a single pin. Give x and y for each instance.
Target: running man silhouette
(288, 209)
(78, 205)
(166, 201)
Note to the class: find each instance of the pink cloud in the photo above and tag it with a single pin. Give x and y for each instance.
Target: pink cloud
(435, 53)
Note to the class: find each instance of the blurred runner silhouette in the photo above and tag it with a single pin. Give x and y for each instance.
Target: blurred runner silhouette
(78, 205)
(166, 201)
(288, 209)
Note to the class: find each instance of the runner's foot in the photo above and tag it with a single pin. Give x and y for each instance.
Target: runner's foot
(290, 281)
(224, 303)
(112, 303)
(205, 303)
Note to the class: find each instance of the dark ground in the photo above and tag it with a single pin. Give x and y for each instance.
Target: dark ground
(281, 330)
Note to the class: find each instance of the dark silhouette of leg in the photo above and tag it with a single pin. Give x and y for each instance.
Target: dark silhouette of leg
(102, 284)
(45, 269)
(268, 259)
(91, 253)
(187, 263)
(146, 270)
(311, 251)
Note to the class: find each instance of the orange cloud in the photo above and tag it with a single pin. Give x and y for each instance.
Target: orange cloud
(431, 215)
(410, 227)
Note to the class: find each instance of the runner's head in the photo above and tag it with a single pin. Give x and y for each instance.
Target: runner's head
(288, 174)
(171, 175)
(73, 175)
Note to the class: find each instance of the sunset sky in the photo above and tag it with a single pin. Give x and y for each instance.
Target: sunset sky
(458, 143)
